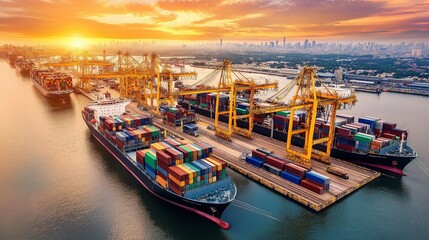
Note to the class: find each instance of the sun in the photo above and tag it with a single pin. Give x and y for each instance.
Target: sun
(78, 42)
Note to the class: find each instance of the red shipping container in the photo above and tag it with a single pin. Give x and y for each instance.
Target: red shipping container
(161, 156)
(258, 154)
(388, 135)
(219, 161)
(163, 165)
(177, 189)
(343, 131)
(295, 170)
(174, 156)
(311, 186)
(279, 118)
(140, 157)
(178, 173)
(275, 162)
(162, 176)
(387, 126)
(315, 183)
(346, 147)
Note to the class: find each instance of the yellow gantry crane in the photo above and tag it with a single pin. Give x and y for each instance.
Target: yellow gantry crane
(157, 84)
(81, 63)
(312, 99)
(226, 84)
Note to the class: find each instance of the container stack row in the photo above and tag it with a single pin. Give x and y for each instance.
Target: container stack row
(175, 115)
(292, 172)
(52, 80)
(181, 166)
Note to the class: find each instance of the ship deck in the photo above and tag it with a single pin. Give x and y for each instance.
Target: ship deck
(230, 152)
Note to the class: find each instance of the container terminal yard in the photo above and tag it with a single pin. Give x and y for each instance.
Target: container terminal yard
(147, 84)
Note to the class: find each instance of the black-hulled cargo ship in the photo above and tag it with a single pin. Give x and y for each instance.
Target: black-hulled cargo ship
(180, 173)
(391, 158)
(54, 85)
(24, 66)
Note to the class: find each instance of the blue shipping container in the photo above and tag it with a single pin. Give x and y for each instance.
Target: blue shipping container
(151, 172)
(290, 177)
(318, 178)
(254, 161)
(162, 171)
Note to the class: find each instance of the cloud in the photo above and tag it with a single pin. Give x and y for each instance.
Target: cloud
(207, 20)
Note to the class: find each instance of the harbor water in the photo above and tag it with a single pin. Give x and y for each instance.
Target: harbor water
(58, 182)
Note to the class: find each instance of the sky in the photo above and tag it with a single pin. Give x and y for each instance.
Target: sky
(200, 20)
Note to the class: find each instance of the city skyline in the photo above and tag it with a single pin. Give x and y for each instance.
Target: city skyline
(235, 21)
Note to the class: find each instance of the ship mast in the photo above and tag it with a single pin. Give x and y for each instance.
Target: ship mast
(402, 143)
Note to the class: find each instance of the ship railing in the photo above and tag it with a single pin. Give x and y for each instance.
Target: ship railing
(135, 147)
(210, 189)
(389, 148)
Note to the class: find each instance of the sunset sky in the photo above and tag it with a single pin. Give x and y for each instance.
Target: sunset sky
(235, 20)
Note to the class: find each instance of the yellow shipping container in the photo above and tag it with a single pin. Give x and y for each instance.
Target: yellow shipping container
(218, 165)
(161, 181)
(156, 147)
(180, 183)
(193, 172)
(186, 170)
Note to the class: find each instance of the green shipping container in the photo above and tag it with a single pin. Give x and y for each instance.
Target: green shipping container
(151, 160)
(194, 169)
(190, 154)
(173, 110)
(204, 105)
(192, 102)
(283, 113)
(241, 111)
(362, 138)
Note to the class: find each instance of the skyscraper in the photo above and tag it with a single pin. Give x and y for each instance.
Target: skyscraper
(284, 41)
(221, 42)
(306, 43)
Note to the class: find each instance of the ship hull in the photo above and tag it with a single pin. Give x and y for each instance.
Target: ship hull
(211, 211)
(389, 164)
(23, 71)
(52, 95)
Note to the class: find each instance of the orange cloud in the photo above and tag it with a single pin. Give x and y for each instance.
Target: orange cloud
(208, 20)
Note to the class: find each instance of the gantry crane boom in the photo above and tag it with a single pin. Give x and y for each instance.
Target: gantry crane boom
(311, 99)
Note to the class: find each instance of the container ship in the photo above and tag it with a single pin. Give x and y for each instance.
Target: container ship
(52, 84)
(24, 66)
(181, 173)
(371, 142)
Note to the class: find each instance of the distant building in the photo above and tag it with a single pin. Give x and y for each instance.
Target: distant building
(306, 43)
(221, 42)
(339, 74)
(284, 41)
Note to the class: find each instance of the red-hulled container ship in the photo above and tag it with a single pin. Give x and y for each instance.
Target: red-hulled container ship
(181, 173)
(386, 151)
(52, 84)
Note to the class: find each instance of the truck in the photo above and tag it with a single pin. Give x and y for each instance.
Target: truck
(190, 129)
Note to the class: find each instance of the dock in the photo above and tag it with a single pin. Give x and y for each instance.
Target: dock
(229, 152)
